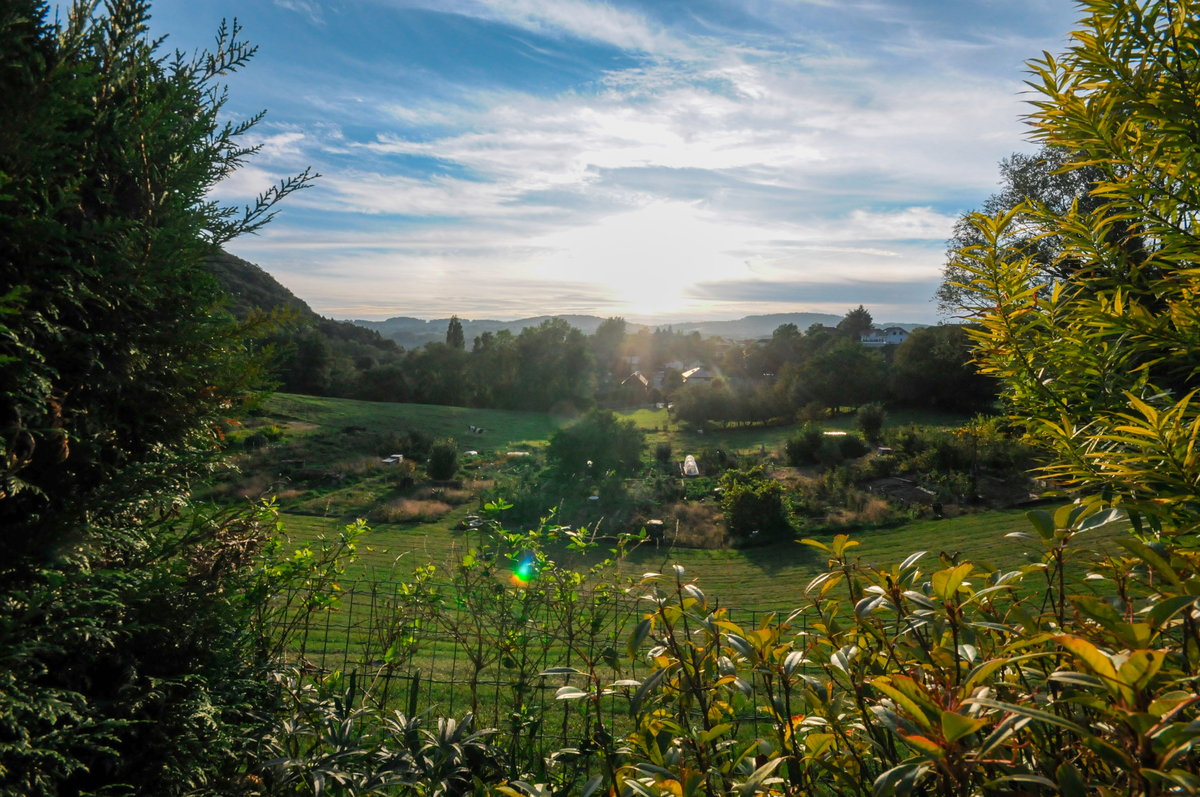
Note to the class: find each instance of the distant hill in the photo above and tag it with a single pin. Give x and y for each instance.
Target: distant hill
(415, 332)
(761, 326)
(250, 288)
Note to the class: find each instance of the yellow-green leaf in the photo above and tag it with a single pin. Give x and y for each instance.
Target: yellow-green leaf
(955, 726)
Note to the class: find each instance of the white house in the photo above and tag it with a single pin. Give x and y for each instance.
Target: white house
(892, 336)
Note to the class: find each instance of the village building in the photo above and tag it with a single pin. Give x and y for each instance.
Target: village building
(637, 380)
(877, 338)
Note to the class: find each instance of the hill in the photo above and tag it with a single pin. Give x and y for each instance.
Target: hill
(761, 326)
(250, 288)
(415, 332)
(412, 333)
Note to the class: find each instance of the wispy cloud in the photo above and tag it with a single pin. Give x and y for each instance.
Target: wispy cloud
(308, 8)
(691, 160)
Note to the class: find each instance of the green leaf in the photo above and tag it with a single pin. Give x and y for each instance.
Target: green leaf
(955, 726)
(1164, 610)
(755, 781)
(1141, 666)
(1031, 713)
(1151, 557)
(1042, 522)
(1037, 779)
(901, 700)
(947, 582)
(560, 671)
(899, 780)
(648, 685)
(592, 785)
(1102, 519)
(1070, 782)
(714, 732)
(820, 546)
(1092, 657)
(640, 632)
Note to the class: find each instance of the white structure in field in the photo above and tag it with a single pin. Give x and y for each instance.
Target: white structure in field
(892, 336)
(689, 466)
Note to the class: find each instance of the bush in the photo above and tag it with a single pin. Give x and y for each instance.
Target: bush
(753, 504)
(443, 460)
(830, 454)
(812, 412)
(413, 444)
(598, 443)
(1052, 689)
(712, 461)
(870, 420)
(662, 451)
(851, 446)
(804, 447)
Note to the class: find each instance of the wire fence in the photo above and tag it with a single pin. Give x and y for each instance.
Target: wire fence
(454, 655)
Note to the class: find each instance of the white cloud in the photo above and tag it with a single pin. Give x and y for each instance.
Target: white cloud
(904, 224)
(307, 8)
(592, 21)
(709, 162)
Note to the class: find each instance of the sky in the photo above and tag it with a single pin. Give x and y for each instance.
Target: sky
(662, 160)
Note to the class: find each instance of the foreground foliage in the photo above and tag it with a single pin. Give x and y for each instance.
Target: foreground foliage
(1100, 364)
(131, 659)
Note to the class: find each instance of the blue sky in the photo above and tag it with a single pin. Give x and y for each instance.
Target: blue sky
(657, 160)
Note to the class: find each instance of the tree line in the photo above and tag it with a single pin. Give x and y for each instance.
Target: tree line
(822, 369)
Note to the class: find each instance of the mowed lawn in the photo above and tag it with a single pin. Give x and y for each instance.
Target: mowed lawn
(505, 429)
(748, 438)
(766, 577)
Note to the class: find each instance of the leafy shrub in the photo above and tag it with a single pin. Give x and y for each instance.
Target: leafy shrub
(662, 451)
(336, 735)
(666, 489)
(946, 681)
(443, 460)
(753, 504)
(870, 420)
(804, 447)
(851, 446)
(812, 412)
(713, 461)
(602, 440)
(413, 444)
(830, 454)
(699, 487)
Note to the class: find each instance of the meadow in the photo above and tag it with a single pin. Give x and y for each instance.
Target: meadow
(751, 582)
(763, 577)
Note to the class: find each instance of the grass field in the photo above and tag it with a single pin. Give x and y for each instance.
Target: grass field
(768, 577)
(505, 428)
(748, 438)
(749, 581)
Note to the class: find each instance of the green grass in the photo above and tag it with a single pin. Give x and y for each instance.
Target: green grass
(751, 438)
(765, 577)
(505, 428)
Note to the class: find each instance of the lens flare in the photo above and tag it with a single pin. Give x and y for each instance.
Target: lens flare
(524, 570)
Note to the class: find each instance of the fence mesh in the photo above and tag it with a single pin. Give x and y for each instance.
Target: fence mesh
(463, 656)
